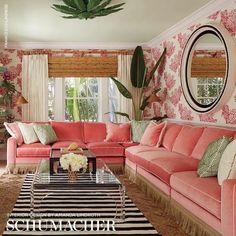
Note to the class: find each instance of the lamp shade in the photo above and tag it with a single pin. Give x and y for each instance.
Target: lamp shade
(21, 100)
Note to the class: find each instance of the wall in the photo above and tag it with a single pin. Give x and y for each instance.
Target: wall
(173, 102)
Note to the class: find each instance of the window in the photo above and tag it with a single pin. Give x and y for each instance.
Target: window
(82, 99)
(208, 89)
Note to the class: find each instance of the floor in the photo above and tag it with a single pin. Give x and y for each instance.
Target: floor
(165, 224)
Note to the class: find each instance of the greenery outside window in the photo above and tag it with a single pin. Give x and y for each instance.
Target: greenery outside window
(82, 99)
(207, 89)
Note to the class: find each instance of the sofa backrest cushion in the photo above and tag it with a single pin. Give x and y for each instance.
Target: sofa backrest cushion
(171, 132)
(68, 130)
(209, 135)
(94, 132)
(187, 139)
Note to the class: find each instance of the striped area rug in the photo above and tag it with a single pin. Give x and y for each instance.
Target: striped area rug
(75, 212)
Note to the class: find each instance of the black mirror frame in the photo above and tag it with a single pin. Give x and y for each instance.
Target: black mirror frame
(230, 75)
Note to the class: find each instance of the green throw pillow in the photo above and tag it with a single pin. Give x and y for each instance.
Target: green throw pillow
(137, 129)
(45, 133)
(208, 166)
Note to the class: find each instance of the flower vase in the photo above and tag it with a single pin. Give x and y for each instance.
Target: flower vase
(72, 175)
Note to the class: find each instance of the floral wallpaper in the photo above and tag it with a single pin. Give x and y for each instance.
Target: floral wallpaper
(173, 103)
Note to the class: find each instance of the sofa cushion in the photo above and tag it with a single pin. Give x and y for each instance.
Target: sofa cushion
(187, 139)
(45, 133)
(33, 150)
(209, 134)
(171, 132)
(94, 132)
(63, 144)
(205, 192)
(14, 130)
(128, 144)
(131, 151)
(106, 149)
(68, 130)
(28, 133)
(164, 167)
(208, 165)
(118, 132)
(227, 166)
(137, 129)
(153, 134)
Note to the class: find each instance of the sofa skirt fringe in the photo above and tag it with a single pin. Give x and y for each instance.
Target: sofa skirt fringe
(116, 168)
(190, 223)
(21, 168)
(151, 191)
(130, 174)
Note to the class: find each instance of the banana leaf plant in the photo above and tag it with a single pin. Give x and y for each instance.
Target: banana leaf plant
(140, 80)
(87, 9)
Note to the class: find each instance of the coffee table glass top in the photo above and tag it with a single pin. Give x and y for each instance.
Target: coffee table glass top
(102, 178)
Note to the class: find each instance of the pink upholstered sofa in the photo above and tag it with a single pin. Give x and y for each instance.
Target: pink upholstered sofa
(87, 134)
(168, 173)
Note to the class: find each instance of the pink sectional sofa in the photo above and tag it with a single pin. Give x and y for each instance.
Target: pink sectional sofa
(169, 173)
(87, 134)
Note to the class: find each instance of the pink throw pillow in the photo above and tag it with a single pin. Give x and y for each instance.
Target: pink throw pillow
(153, 134)
(118, 132)
(14, 130)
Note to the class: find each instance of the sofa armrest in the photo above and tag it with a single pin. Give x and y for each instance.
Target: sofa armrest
(11, 151)
(228, 207)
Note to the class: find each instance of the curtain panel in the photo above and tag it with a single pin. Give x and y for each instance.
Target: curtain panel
(35, 87)
(125, 105)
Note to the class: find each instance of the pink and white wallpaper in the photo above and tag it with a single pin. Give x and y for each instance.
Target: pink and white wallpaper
(173, 103)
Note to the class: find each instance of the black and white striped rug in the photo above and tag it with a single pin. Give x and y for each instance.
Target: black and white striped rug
(75, 212)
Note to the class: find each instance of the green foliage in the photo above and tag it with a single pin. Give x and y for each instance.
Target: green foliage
(120, 113)
(140, 80)
(86, 9)
(122, 89)
(137, 69)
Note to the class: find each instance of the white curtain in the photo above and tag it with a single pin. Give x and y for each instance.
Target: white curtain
(125, 105)
(35, 87)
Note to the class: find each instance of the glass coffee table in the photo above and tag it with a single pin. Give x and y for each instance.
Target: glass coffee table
(102, 181)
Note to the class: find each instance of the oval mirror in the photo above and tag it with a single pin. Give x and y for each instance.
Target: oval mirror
(207, 73)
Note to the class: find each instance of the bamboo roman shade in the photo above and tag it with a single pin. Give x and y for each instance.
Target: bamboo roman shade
(208, 67)
(82, 66)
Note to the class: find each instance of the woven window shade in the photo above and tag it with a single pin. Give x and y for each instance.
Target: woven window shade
(82, 66)
(208, 67)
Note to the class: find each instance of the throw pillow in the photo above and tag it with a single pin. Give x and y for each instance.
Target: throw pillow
(14, 130)
(153, 134)
(137, 129)
(28, 133)
(45, 133)
(208, 165)
(227, 166)
(118, 132)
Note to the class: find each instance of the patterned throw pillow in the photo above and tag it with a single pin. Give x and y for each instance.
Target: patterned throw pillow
(45, 133)
(227, 166)
(137, 129)
(28, 133)
(208, 166)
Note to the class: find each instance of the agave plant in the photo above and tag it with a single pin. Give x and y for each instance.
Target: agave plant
(139, 80)
(86, 9)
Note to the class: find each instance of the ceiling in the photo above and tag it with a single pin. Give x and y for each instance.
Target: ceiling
(139, 21)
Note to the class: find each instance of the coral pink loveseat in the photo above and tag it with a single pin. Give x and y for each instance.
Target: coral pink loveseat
(87, 134)
(168, 173)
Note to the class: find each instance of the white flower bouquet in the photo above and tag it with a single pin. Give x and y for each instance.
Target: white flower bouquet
(73, 162)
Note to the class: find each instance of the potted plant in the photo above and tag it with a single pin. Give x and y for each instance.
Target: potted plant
(140, 80)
